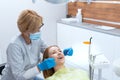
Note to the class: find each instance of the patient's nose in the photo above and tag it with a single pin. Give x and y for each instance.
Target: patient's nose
(59, 53)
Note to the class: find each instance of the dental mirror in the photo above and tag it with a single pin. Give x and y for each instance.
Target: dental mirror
(57, 1)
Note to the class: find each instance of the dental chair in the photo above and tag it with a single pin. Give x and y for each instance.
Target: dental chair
(2, 66)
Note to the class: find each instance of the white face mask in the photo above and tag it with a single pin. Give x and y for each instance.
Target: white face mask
(35, 36)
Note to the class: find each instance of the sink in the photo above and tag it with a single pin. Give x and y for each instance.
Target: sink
(69, 20)
(105, 27)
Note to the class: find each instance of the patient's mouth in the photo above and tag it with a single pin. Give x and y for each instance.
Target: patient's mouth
(60, 57)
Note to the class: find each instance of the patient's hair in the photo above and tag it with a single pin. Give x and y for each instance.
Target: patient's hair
(49, 72)
(29, 20)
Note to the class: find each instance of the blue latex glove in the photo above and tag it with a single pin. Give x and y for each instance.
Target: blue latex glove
(38, 78)
(68, 51)
(47, 64)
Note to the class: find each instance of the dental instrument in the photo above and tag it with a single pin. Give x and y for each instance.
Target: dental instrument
(90, 59)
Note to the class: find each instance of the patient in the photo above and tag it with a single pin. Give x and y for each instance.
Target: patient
(60, 72)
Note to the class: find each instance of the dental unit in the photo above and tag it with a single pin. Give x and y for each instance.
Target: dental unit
(96, 61)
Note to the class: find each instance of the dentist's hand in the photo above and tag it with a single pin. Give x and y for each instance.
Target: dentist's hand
(46, 64)
(68, 51)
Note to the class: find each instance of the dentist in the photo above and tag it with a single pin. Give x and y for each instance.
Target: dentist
(23, 52)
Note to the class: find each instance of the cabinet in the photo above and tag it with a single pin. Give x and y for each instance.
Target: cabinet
(73, 36)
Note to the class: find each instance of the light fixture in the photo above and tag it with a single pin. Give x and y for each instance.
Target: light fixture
(61, 1)
(33, 1)
(57, 1)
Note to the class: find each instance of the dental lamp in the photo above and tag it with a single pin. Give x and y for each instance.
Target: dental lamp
(64, 1)
(57, 1)
(33, 1)
(61, 1)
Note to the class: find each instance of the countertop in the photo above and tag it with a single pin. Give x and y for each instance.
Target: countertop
(93, 27)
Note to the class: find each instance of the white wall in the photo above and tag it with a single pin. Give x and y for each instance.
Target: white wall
(9, 11)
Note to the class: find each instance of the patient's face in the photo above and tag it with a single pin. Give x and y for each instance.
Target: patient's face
(57, 54)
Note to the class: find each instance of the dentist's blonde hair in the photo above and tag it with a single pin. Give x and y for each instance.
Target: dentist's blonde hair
(29, 20)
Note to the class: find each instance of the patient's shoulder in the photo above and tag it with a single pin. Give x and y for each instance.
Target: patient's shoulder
(69, 74)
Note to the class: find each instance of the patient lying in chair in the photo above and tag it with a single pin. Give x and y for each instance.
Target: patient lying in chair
(60, 72)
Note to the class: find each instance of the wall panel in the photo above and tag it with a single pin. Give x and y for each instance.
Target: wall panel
(101, 13)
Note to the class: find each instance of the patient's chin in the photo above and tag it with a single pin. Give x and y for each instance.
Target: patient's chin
(61, 62)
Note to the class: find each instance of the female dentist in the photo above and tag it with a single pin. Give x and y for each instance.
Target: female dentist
(23, 52)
